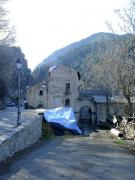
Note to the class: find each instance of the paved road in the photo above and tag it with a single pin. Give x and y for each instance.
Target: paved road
(74, 158)
(8, 118)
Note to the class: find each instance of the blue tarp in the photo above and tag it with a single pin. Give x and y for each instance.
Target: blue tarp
(63, 116)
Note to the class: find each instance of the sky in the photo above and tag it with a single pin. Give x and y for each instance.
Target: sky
(43, 26)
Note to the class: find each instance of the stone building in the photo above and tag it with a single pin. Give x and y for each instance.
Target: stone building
(61, 89)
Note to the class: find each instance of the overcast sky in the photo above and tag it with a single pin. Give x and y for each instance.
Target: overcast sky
(44, 26)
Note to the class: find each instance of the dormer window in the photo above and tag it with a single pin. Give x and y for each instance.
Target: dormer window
(67, 90)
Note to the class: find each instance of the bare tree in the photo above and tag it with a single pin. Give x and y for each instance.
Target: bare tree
(127, 17)
(125, 63)
(126, 82)
(7, 34)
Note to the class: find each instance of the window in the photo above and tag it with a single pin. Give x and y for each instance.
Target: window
(67, 90)
(67, 102)
(40, 92)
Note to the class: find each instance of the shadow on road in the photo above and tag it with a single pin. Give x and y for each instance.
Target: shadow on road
(71, 157)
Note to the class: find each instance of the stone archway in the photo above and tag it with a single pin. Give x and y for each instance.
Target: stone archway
(85, 117)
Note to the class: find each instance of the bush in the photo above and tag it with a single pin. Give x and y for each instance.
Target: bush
(47, 131)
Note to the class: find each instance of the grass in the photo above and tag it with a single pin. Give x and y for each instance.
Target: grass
(120, 141)
(47, 132)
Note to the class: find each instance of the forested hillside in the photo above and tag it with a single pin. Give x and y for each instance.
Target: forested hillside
(76, 45)
(9, 73)
(83, 54)
(72, 55)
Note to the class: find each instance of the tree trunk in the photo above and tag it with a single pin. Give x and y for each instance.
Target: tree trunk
(107, 106)
(130, 106)
(2, 104)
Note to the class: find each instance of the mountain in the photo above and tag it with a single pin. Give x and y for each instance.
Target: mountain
(83, 53)
(93, 38)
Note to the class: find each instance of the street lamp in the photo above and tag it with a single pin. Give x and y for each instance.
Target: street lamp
(43, 84)
(19, 67)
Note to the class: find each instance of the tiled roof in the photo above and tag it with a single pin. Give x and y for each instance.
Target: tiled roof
(97, 94)
(91, 92)
(100, 99)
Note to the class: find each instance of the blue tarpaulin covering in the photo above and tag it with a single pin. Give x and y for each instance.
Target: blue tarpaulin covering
(63, 116)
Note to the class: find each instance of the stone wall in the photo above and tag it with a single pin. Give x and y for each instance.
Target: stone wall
(79, 103)
(101, 112)
(57, 86)
(21, 137)
(34, 98)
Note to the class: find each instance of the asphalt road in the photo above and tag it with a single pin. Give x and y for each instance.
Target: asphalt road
(72, 158)
(8, 118)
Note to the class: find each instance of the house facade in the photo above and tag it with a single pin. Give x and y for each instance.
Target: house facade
(61, 89)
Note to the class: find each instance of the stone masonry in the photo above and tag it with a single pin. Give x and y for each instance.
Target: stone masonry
(23, 136)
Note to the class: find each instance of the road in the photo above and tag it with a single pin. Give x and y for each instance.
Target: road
(74, 158)
(8, 118)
